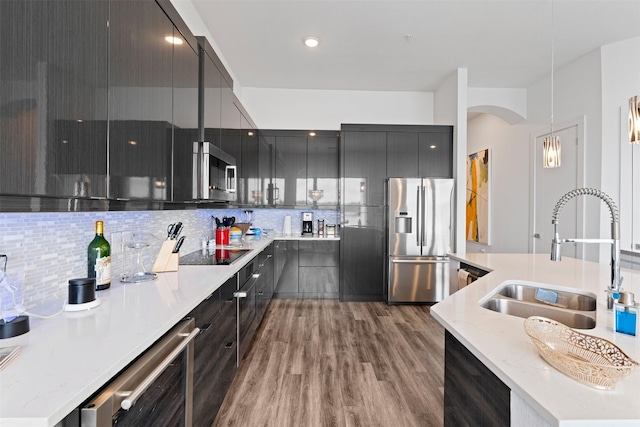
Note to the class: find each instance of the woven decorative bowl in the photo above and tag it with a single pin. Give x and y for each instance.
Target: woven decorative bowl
(591, 360)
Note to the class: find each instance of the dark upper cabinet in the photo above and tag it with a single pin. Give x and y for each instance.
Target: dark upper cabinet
(291, 170)
(436, 153)
(249, 182)
(323, 174)
(402, 154)
(266, 170)
(140, 100)
(53, 97)
(420, 151)
(364, 167)
(212, 95)
(298, 169)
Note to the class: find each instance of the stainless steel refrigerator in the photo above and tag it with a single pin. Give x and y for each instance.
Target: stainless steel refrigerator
(419, 230)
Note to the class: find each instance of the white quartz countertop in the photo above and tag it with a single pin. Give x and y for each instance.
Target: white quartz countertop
(499, 340)
(66, 359)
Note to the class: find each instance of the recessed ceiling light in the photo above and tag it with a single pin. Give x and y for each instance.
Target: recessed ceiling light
(312, 133)
(173, 39)
(311, 41)
(132, 142)
(432, 146)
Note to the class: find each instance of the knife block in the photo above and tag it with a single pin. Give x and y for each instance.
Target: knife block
(166, 260)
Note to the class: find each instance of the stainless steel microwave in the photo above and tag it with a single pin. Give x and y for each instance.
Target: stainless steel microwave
(214, 173)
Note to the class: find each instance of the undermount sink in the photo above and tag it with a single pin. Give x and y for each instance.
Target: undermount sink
(526, 299)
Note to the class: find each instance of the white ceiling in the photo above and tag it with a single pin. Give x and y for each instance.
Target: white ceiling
(504, 43)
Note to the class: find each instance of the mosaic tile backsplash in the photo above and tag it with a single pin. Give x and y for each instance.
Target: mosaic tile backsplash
(45, 250)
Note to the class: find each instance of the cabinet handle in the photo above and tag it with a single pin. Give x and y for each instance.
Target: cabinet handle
(228, 345)
(205, 327)
(230, 299)
(256, 275)
(240, 294)
(260, 293)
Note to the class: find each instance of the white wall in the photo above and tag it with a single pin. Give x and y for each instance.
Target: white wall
(328, 109)
(509, 148)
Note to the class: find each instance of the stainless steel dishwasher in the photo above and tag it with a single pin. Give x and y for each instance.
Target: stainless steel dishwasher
(156, 389)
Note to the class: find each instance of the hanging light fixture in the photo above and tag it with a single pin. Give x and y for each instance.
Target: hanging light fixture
(551, 148)
(634, 120)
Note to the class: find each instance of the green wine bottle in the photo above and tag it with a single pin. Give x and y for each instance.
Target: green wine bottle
(99, 259)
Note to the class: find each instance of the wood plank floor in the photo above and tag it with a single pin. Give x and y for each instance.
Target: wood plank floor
(327, 363)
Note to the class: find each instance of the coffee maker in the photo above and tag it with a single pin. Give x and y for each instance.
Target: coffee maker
(307, 223)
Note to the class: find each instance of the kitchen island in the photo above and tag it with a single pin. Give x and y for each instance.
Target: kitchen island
(66, 359)
(541, 395)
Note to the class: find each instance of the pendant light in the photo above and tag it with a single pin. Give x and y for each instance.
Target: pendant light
(634, 120)
(551, 145)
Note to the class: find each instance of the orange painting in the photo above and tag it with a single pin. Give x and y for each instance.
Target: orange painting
(477, 229)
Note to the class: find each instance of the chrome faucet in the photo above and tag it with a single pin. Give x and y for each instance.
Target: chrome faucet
(556, 248)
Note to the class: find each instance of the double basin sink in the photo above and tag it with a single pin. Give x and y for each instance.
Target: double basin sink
(576, 309)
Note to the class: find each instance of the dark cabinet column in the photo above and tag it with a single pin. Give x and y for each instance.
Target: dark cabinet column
(53, 97)
(140, 100)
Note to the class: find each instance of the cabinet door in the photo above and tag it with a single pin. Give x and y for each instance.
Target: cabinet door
(362, 257)
(402, 154)
(291, 170)
(436, 154)
(266, 151)
(185, 120)
(53, 91)
(318, 253)
(140, 100)
(364, 167)
(249, 181)
(286, 264)
(231, 123)
(206, 373)
(323, 175)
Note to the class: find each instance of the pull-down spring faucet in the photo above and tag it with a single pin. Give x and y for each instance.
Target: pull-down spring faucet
(556, 248)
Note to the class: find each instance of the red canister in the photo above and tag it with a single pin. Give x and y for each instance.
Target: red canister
(222, 236)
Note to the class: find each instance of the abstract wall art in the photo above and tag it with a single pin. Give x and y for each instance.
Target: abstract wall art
(478, 196)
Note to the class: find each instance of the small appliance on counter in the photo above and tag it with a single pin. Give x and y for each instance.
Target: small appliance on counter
(307, 223)
(82, 295)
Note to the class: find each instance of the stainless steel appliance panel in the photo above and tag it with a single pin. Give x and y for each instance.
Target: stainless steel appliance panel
(405, 228)
(436, 231)
(418, 279)
(156, 389)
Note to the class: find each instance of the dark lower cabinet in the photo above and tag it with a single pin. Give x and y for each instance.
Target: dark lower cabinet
(286, 269)
(318, 269)
(473, 395)
(215, 352)
(307, 269)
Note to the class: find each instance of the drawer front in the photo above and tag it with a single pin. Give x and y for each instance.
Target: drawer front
(318, 253)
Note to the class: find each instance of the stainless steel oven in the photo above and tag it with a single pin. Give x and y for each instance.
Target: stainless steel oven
(214, 173)
(156, 389)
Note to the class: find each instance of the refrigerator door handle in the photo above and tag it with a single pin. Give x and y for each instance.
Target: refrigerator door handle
(419, 261)
(423, 211)
(418, 215)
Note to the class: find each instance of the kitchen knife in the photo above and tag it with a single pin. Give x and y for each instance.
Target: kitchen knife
(179, 243)
(177, 230)
(170, 229)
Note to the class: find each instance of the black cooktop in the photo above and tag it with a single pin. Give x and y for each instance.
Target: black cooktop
(219, 256)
